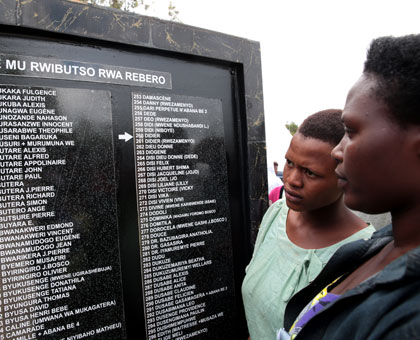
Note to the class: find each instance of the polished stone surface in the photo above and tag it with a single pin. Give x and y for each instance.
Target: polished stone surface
(61, 263)
(204, 65)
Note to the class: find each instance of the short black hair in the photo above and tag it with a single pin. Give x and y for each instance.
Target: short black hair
(394, 62)
(324, 125)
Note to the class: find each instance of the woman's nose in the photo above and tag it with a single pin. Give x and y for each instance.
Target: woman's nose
(337, 152)
(294, 178)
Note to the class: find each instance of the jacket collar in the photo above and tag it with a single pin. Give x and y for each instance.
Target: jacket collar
(346, 259)
(406, 266)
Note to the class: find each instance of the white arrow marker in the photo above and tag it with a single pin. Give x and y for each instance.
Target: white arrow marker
(126, 136)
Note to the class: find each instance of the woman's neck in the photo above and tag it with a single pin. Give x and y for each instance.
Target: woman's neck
(406, 227)
(326, 216)
(322, 227)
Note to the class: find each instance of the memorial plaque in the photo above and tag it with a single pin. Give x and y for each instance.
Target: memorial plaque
(183, 212)
(132, 162)
(28, 66)
(59, 256)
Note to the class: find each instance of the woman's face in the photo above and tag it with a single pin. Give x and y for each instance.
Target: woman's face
(309, 179)
(375, 156)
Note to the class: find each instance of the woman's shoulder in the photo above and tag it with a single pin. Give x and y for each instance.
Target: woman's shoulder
(276, 210)
(274, 219)
(364, 233)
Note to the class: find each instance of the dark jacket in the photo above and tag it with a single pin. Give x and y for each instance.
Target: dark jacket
(386, 306)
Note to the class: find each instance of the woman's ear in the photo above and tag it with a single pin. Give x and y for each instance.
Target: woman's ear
(411, 143)
(415, 139)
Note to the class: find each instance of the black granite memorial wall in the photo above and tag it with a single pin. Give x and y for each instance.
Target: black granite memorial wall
(132, 167)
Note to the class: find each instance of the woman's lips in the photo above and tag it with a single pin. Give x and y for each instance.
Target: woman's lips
(293, 197)
(342, 180)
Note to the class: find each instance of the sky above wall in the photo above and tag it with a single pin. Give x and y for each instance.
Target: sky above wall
(312, 51)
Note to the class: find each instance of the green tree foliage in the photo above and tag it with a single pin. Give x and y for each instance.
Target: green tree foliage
(138, 6)
(172, 12)
(126, 5)
(292, 127)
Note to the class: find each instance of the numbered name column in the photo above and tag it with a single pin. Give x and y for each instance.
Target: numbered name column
(143, 186)
(183, 144)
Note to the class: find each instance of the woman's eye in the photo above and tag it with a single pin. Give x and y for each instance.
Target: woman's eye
(289, 162)
(310, 173)
(348, 131)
